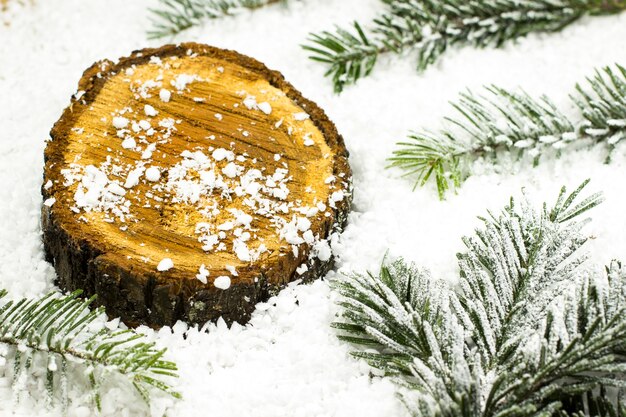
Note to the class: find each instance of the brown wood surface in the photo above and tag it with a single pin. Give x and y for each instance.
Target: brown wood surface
(115, 255)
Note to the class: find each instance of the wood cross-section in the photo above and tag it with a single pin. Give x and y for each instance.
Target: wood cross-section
(189, 182)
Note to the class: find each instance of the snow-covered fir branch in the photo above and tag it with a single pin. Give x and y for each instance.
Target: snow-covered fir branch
(599, 404)
(514, 123)
(175, 16)
(530, 330)
(430, 27)
(603, 105)
(62, 332)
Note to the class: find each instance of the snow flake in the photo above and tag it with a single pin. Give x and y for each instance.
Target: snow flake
(165, 265)
(150, 111)
(165, 95)
(222, 282)
(181, 81)
(153, 174)
(133, 177)
(203, 274)
(120, 122)
(265, 107)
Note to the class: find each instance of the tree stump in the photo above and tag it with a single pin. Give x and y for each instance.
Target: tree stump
(189, 182)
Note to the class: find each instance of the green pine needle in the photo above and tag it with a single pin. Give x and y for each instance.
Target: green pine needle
(603, 105)
(61, 330)
(514, 124)
(430, 27)
(175, 16)
(349, 56)
(598, 404)
(528, 331)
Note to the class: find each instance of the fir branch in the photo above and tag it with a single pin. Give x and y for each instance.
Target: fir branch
(349, 56)
(431, 26)
(603, 105)
(581, 347)
(527, 332)
(385, 310)
(175, 16)
(502, 122)
(598, 404)
(515, 266)
(63, 329)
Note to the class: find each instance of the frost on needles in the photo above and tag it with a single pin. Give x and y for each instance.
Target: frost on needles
(175, 16)
(512, 123)
(530, 330)
(60, 340)
(430, 27)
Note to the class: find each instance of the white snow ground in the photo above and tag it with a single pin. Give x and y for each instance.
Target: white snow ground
(287, 361)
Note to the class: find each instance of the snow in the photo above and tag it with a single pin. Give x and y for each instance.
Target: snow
(265, 107)
(150, 111)
(203, 273)
(194, 180)
(120, 122)
(220, 154)
(165, 95)
(129, 143)
(133, 177)
(165, 264)
(250, 102)
(144, 124)
(182, 80)
(222, 282)
(300, 116)
(231, 170)
(287, 361)
(153, 174)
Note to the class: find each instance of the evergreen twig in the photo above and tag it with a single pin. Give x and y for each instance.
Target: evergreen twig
(62, 330)
(603, 105)
(528, 331)
(175, 16)
(598, 405)
(431, 26)
(514, 123)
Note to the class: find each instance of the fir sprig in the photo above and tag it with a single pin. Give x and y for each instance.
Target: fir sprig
(528, 331)
(597, 405)
(603, 105)
(514, 123)
(62, 330)
(431, 26)
(175, 16)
